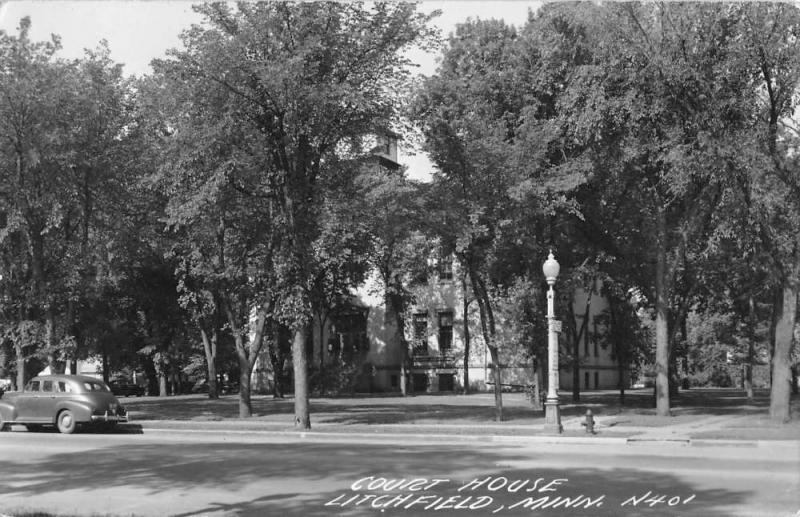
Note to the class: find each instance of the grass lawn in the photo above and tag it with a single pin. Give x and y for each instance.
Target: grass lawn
(733, 415)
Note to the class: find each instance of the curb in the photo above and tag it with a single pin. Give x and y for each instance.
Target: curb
(681, 442)
(632, 441)
(406, 437)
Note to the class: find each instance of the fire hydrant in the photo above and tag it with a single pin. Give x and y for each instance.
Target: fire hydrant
(589, 423)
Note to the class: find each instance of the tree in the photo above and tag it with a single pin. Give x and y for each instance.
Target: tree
(291, 104)
(581, 280)
(467, 118)
(222, 238)
(490, 123)
(142, 304)
(340, 252)
(60, 129)
(520, 311)
(33, 142)
(661, 110)
(90, 254)
(392, 211)
(624, 333)
(772, 47)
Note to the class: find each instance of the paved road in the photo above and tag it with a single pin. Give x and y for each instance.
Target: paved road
(219, 474)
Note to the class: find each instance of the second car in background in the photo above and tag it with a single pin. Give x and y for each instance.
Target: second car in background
(124, 389)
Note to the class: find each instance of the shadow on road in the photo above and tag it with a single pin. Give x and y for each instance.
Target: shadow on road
(299, 479)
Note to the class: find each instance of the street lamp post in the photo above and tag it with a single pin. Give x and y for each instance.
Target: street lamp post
(552, 411)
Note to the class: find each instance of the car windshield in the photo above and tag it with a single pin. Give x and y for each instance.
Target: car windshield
(94, 386)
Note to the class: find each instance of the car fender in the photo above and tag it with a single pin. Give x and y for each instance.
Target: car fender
(8, 411)
(80, 410)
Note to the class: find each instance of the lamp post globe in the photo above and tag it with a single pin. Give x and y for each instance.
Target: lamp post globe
(550, 268)
(552, 414)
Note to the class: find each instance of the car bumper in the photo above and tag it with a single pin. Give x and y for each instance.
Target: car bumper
(109, 418)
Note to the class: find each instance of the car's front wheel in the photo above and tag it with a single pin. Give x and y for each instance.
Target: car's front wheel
(66, 422)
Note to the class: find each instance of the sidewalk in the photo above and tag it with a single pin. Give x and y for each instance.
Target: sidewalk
(700, 417)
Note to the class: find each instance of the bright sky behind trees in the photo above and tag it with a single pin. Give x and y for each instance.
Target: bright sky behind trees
(139, 31)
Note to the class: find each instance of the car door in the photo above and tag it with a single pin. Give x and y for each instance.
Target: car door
(46, 403)
(27, 400)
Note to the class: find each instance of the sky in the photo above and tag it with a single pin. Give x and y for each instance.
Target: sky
(138, 31)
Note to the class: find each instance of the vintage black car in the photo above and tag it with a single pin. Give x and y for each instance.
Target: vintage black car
(64, 401)
(125, 389)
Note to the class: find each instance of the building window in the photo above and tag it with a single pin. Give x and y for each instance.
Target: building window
(349, 336)
(596, 380)
(420, 333)
(586, 380)
(594, 339)
(445, 267)
(445, 331)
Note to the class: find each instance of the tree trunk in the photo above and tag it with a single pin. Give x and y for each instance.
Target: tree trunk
(310, 346)
(751, 347)
(162, 384)
(322, 346)
(576, 368)
(105, 362)
(574, 341)
(466, 331)
(245, 399)
(302, 416)
(780, 392)
(3, 359)
(405, 367)
(56, 366)
(392, 321)
(277, 361)
(581, 334)
(685, 353)
(488, 330)
(246, 354)
(620, 348)
(161, 374)
(662, 331)
(777, 310)
(210, 349)
(245, 404)
(20, 354)
(497, 377)
(72, 328)
(675, 348)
